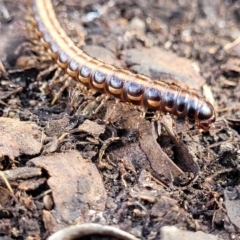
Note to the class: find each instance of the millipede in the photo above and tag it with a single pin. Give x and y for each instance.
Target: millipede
(128, 87)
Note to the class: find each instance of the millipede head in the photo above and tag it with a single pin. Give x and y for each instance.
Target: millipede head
(206, 116)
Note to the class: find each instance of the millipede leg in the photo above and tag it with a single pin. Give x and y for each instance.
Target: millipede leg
(44, 58)
(60, 79)
(196, 126)
(35, 49)
(174, 122)
(89, 102)
(24, 45)
(67, 80)
(166, 121)
(106, 143)
(102, 99)
(46, 71)
(80, 88)
(141, 116)
(54, 79)
(159, 128)
(154, 133)
(29, 29)
(108, 117)
(73, 95)
(160, 118)
(80, 110)
(157, 118)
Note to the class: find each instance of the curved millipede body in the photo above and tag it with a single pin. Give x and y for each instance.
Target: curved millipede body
(133, 88)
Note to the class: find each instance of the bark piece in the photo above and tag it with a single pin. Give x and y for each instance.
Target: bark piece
(76, 186)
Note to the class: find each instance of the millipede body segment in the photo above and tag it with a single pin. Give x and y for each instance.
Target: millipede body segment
(131, 88)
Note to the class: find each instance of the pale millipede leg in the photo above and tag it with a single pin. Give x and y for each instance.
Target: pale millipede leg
(29, 18)
(83, 90)
(174, 118)
(89, 102)
(141, 116)
(23, 48)
(29, 29)
(108, 117)
(63, 78)
(154, 133)
(35, 42)
(54, 79)
(106, 143)
(196, 126)
(30, 33)
(35, 49)
(89, 107)
(46, 71)
(142, 112)
(102, 99)
(39, 50)
(88, 92)
(73, 95)
(67, 80)
(187, 124)
(159, 128)
(80, 110)
(157, 118)
(44, 58)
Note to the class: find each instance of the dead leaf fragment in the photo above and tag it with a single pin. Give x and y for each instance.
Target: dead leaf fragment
(162, 166)
(92, 128)
(76, 186)
(232, 203)
(19, 138)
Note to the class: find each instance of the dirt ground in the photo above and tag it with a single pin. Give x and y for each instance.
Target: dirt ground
(63, 166)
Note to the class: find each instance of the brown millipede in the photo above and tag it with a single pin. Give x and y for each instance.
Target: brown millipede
(132, 88)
